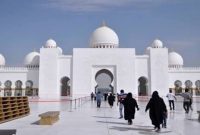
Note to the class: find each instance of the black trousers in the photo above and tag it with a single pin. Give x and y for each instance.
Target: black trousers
(186, 106)
(171, 104)
(98, 103)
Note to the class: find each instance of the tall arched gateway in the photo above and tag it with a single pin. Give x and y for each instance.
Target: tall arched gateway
(104, 80)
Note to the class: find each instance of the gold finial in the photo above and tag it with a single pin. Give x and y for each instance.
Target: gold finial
(103, 23)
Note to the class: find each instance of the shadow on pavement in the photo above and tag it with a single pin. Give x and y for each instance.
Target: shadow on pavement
(144, 131)
(102, 117)
(8, 132)
(35, 123)
(120, 123)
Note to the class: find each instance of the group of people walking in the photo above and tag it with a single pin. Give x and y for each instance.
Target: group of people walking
(187, 100)
(156, 106)
(98, 97)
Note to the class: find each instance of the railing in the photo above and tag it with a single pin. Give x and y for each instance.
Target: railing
(2, 68)
(78, 102)
(184, 69)
(19, 92)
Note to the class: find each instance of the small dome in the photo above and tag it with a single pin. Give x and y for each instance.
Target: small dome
(104, 37)
(50, 44)
(147, 49)
(32, 59)
(2, 60)
(157, 44)
(60, 50)
(175, 59)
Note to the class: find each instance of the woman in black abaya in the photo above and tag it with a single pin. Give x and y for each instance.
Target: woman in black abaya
(157, 108)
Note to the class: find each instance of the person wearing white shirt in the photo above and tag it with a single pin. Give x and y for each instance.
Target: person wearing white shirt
(171, 98)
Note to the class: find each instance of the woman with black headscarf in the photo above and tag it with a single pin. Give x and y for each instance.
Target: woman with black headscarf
(157, 108)
(129, 108)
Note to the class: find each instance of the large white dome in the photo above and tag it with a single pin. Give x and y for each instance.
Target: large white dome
(157, 44)
(32, 59)
(2, 60)
(50, 43)
(104, 37)
(175, 59)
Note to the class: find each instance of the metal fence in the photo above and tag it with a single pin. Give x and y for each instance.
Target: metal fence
(78, 102)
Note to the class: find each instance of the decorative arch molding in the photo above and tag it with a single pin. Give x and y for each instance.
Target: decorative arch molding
(197, 89)
(18, 84)
(178, 83)
(197, 84)
(188, 84)
(29, 84)
(29, 88)
(18, 88)
(178, 87)
(106, 71)
(104, 79)
(8, 88)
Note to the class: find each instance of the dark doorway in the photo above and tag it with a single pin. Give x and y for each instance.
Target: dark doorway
(29, 88)
(8, 89)
(142, 88)
(178, 87)
(18, 88)
(65, 86)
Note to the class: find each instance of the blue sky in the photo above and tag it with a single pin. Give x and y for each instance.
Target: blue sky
(25, 25)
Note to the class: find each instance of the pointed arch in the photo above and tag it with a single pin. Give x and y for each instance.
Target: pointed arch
(104, 79)
(18, 88)
(142, 87)
(8, 88)
(29, 88)
(65, 86)
(178, 86)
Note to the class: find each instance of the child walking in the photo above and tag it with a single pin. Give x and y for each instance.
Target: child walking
(164, 124)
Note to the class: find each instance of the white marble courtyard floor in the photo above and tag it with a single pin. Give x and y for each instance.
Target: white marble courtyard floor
(89, 120)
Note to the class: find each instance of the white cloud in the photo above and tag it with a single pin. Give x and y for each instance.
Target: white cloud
(99, 5)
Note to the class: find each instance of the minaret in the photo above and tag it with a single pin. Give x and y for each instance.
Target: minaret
(48, 82)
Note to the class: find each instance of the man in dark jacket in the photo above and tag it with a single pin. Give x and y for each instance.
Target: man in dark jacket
(129, 108)
(187, 98)
(157, 108)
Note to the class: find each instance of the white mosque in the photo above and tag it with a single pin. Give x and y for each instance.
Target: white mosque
(103, 66)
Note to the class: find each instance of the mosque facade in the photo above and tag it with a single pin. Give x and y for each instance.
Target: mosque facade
(103, 66)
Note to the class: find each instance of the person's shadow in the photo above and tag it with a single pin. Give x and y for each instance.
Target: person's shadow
(145, 130)
(8, 131)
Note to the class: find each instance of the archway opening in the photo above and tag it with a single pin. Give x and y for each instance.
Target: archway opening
(178, 87)
(65, 86)
(142, 88)
(8, 89)
(29, 88)
(18, 88)
(197, 83)
(104, 80)
(188, 85)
